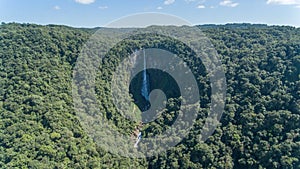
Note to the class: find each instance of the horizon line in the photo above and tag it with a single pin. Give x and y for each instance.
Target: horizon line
(200, 24)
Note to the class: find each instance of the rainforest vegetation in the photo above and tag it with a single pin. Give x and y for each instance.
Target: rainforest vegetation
(259, 128)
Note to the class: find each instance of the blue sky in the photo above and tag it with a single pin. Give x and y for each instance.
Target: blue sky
(92, 13)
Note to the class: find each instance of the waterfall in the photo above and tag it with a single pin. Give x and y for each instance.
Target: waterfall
(145, 85)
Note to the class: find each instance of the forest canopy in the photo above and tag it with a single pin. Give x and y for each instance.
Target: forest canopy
(259, 128)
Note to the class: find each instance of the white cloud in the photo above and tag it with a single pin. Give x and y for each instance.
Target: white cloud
(56, 7)
(228, 3)
(284, 2)
(103, 7)
(159, 8)
(295, 3)
(85, 1)
(200, 6)
(169, 2)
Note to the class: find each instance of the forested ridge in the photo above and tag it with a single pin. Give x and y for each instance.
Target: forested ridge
(259, 128)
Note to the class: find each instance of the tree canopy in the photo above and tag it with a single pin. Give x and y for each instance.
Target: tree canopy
(259, 128)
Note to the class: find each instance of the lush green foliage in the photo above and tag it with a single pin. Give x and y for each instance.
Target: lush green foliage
(259, 129)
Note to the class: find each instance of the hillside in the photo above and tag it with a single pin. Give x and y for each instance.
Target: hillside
(259, 129)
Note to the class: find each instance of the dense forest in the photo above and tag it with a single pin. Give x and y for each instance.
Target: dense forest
(259, 128)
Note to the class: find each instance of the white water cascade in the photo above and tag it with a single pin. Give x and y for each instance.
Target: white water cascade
(145, 85)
